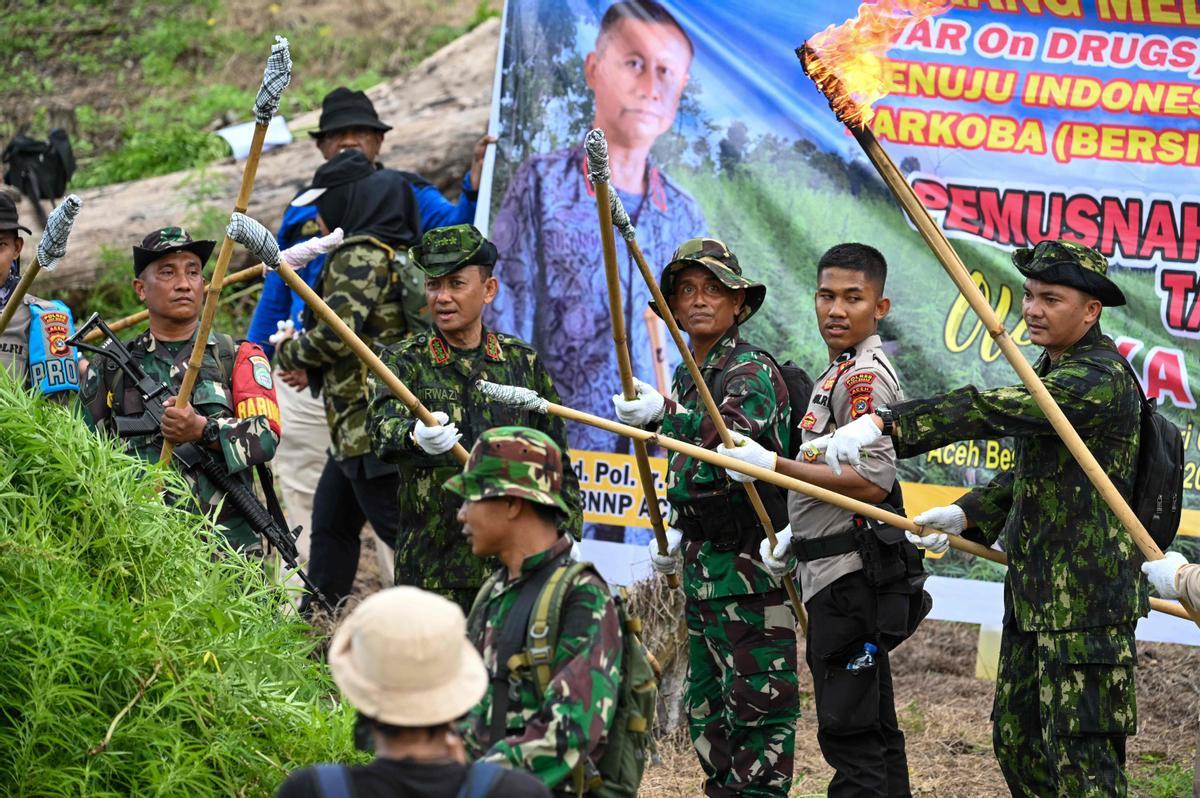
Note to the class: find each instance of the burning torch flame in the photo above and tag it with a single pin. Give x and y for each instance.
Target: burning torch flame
(847, 61)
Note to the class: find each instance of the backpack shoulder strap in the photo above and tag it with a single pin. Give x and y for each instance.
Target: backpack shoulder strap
(481, 778)
(546, 620)
(333, 781)
(227, 349)
(1110, 354)
(718, 387)
(509, 643)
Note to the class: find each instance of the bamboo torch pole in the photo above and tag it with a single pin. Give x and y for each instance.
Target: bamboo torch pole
(51, 248)
(527, 399)
(629, 233)
(256, 238)
(597, 150)
(831, 87)
(276, 77)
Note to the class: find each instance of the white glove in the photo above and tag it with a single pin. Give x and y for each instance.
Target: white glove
(748, 451)
(283, 331)
(846, 442)
(779, 561)
(646, 408)
(939, 523)
(935, 542)
(1163, 573)
(950, 519)
(666, 564)
(437, 440)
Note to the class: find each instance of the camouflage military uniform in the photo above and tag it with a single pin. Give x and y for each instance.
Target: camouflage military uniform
(361, 286)
(1065, 697)
(431, 552)
(742, 696)
(546, 732)
(246, 436)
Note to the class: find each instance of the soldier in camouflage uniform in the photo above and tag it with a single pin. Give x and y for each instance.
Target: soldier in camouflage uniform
(441, 369)
(362, 283)
(742, 697)
(514, 503)
(233, 410)
(1065, 697)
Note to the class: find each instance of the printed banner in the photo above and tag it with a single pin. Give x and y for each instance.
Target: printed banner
(1015, 121)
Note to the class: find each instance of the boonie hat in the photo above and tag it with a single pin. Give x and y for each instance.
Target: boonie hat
(165, 241)
(343, 108)
(446, 249)
(512, 461)
(9, 219)
(348, 166)
(402, 657)
(1067, 263)
(712, 254)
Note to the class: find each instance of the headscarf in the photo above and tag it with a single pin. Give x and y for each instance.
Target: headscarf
(382, 205)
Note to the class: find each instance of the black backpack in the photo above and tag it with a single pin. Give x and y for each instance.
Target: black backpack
(799, 385)
(1158, 486)
(40, 169)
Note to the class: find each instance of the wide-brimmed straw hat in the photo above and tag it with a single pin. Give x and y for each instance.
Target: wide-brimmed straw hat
(402, 657)
(712, 254)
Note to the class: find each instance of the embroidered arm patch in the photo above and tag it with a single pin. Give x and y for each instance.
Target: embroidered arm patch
(253, 387)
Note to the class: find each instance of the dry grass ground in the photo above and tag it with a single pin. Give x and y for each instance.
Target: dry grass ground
(944, 712)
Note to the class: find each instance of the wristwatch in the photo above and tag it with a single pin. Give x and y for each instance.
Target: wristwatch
(885, 415)
(211, 433)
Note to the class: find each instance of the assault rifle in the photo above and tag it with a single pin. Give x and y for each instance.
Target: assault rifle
(268, 522)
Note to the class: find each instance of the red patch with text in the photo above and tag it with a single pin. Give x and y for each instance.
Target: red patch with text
(253, 389)
(809, 420)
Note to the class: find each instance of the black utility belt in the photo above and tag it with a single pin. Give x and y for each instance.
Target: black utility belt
(887, 555)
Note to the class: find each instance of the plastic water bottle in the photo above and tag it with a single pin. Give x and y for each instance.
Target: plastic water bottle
(864, 660)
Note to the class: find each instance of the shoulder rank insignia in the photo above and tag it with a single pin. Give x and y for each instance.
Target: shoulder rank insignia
(491, 346)
(437, 348)
(844, 366)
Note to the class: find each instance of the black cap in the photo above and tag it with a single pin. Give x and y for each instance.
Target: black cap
(343, 108)
(164, 242)
(9, 220)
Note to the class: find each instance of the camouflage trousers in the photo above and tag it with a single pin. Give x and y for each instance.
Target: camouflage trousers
(742, 698)
(1065, 702)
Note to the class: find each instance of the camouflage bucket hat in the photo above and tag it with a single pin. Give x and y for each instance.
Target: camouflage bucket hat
(713, 255)
(512, 461)
(446, 249)
(1068, 263)
(164, 242)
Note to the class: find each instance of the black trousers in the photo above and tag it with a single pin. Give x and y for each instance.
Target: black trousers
(856, 710)
(348, 495)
